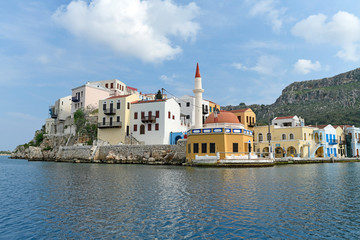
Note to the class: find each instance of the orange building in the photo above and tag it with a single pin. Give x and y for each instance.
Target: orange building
(246, 117)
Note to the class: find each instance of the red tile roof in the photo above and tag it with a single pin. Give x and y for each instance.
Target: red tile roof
(149, 101)
(131, 88)
(120, 96)
(239, 110)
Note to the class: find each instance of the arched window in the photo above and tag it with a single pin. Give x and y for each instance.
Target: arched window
(260, 137)
(291, 136)
(283, 137)
(142, 129)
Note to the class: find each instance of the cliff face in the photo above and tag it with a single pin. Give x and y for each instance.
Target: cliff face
(334, 100)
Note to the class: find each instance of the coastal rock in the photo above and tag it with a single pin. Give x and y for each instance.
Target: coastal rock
(35, 153)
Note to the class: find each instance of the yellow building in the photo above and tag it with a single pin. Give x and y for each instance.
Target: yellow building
(222, 137)
(340, 136)
(295, 141)
(213, 106)
(114, 118)
(246, 117)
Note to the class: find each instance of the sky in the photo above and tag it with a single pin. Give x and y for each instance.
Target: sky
(248, 50)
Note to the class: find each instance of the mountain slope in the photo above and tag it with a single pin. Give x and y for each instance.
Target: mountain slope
(334, 100)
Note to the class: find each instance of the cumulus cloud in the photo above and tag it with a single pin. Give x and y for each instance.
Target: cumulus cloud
(132, 27)
(304, 66)
(342, 30)
(239, 66)
(267, 8)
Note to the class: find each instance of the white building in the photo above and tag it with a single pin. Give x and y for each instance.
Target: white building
(352, 141)
(153, 121)
(187, 109)
(58, 114)
(116, 87)
(289, 121)
(325, 137)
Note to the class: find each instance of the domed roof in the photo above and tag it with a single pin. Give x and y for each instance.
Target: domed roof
(222, 117)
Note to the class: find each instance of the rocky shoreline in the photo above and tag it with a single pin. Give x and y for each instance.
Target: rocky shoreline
(121, 154)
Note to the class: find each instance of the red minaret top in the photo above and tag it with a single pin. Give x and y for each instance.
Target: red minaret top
(197, 74)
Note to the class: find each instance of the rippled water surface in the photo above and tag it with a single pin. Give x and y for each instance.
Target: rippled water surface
(46, 200)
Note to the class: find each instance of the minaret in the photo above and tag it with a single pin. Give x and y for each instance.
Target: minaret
(198, 98)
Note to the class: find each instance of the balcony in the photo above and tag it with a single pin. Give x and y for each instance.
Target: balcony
(109, 111)
(75, 99)
(53, 115)
(148, 119)
(205, 111)
(333, 142)
(110, 125)
(251, 124)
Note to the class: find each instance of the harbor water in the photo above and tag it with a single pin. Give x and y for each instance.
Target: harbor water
(49, 200)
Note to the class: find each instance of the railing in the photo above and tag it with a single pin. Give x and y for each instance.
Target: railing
(205, 111)
(75, 99)
(251, 124)
(110, 125)
(148, 119)
(109, 111)
(333, 141)
(53, 115)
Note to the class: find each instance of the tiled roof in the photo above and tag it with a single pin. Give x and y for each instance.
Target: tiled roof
(222, 117)
(149, 101)
(135, 89)
(239, 110)
(120, 96)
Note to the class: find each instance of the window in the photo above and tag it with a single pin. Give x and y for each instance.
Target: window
(150, 114)
(82, 93)
(239, 117)
(169, 114)
(142, 129)
(142, 115)
(112, 85)
(188, 104)
(304, 136)
(189, 148)
(283, 137)
(235, 147)
(118, 104)
(128, 105)
(135, 115)
(180, 104)
(111, 121)
(104, 106)
(107, 85)
(149, 127)
(187, 116)
(247, 119)
(196, 148)
(118, 118)
(117, 86)
(260, 136)
(210, 108)
(173, 117)
(212, 147)
(291, 136)
(157, 114)
(203, 148)
(156, 127)
(135, 128)
(104, 121)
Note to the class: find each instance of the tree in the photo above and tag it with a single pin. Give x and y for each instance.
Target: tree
(159, 95)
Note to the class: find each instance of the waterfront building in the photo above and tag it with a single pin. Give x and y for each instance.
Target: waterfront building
(284, 141)
(114, 119)
(352, 141)
(116, 87)
(325, 140)
(221, 137)
(246, 117)
(58, 113)
(156, 121)
(87, 96)
(288, 121)
(187, 108)
(341, 138)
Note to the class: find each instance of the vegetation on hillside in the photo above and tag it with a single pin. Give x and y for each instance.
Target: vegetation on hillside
(85, 128)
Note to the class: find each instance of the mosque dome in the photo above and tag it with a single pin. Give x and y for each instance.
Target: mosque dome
(222, 117)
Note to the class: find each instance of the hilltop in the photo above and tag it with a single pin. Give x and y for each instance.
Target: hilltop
(334, 100)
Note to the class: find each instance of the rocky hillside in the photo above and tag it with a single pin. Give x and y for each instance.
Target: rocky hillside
(334, 100)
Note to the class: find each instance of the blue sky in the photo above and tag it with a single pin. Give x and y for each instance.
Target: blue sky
(248, 51)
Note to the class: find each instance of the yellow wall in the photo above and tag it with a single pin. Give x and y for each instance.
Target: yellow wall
(213, 106)
(247, 118)
(223, 143)
(302, 140)
(116, 135)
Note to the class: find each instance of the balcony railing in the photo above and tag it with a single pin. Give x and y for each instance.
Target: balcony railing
(109, 111)
(205, 111)
(75, 99)
(251, 124)
(148, 119)
(110, 125)
(333, 141)
(53, 115)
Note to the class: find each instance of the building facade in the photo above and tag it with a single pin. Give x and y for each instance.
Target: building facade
(246, 117)
(114, 118)
(58, 114)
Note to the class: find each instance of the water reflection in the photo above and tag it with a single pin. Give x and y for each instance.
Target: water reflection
(59, 200)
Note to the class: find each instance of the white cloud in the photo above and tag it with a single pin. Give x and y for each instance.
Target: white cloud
(304, 66)
(132, 27)
(343, 30)
(267, 8)
(266, 65)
